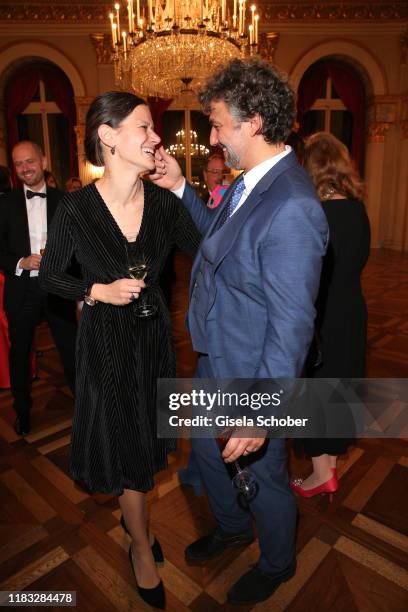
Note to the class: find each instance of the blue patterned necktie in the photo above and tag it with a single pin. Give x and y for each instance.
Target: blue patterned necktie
(234, 199)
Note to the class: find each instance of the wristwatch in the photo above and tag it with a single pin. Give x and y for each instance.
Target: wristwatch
(88, 299)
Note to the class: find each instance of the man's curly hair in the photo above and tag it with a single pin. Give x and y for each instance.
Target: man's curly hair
(250, 86)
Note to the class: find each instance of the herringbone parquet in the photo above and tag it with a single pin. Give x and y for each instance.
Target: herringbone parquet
(352, 554)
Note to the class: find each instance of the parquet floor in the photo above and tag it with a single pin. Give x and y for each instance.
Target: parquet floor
(352, 554)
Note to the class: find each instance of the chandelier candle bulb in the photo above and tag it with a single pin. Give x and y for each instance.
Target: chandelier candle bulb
(115, 34)
(223, 10)
(138, 12)
(112, 29)
(251, 34)
(130, 15)
(124, 43)
(150, 13)
(117, 7)
(256, 28)
(253, 9)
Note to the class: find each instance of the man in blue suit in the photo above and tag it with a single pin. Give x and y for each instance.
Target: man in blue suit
(251, 315)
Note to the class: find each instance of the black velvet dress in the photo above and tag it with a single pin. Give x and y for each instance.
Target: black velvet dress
(341, 309)
(119, 356)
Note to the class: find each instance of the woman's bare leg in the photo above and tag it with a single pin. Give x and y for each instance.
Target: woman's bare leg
(321, 472)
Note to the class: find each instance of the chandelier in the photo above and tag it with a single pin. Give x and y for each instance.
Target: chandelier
(179, 149)
(170, 46)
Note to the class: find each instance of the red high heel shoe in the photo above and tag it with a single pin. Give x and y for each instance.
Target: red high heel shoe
(330, 487)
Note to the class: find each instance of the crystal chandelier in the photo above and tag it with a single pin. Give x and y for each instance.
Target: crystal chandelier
(170, 46)
(179, 149)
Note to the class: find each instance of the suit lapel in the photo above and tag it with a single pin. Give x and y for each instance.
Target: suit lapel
(210, 233)
(218, 242)
(21, 221)
(225, 237)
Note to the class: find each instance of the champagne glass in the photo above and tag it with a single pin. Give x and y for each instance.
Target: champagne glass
(43, 242)
(138, 268)
(242, 478)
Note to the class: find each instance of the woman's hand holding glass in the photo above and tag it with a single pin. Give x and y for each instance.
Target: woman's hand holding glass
(119, 293)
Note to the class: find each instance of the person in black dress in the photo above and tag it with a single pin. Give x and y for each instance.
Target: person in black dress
(341, 322)
(120, 355)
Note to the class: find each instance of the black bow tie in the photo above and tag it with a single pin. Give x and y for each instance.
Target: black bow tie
(32, 194)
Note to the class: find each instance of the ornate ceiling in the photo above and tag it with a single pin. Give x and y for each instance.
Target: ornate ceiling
(94, 12)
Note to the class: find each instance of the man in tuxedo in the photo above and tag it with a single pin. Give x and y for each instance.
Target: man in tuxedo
(25, 215)
(251, 315)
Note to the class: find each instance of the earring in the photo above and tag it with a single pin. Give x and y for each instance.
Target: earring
(113, 149)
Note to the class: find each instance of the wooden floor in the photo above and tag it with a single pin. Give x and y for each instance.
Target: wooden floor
(352, 554)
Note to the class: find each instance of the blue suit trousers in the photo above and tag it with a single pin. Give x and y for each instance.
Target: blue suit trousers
(274, 508)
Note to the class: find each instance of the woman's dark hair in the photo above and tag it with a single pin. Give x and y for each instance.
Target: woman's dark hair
(5, 179)
(49, 175)
(328, 162)
(110, 108)
(251, 86)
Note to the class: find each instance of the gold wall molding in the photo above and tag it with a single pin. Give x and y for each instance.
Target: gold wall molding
(80, 134)
(96, 11)
(82, 105)
(377, 130)
(268, 42)
(333, 11)
(102, 44)
(384, 109)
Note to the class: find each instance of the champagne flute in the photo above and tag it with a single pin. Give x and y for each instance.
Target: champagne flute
(138, 268)
(43, 242)
(242, 478)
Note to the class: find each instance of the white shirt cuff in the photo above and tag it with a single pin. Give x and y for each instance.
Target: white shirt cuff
(19, 270)
(180, 191)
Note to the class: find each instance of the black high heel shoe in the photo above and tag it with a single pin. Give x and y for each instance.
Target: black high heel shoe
(154, 597)
(157, 551)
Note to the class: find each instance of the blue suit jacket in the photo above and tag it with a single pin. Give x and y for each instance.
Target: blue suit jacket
(262, 273)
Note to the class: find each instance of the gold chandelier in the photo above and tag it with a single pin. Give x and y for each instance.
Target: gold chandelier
(170, 46)
(179, 148)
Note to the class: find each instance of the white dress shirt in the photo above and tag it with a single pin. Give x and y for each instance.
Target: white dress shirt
(251, 178)
(37, 225)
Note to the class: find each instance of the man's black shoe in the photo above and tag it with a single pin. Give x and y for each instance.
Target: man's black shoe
(22, 426)
(256, 586)
(215, 543)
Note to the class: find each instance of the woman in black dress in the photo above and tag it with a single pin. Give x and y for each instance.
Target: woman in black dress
(341, 322)
(120, 355)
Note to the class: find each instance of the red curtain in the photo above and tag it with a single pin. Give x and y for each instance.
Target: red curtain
(351, 91)
(158, 107)
(20, 92)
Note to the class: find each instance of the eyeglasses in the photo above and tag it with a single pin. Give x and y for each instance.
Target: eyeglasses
(216, 171)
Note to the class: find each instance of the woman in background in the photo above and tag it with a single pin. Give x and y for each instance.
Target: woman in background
(50, 179)
(341, 322)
